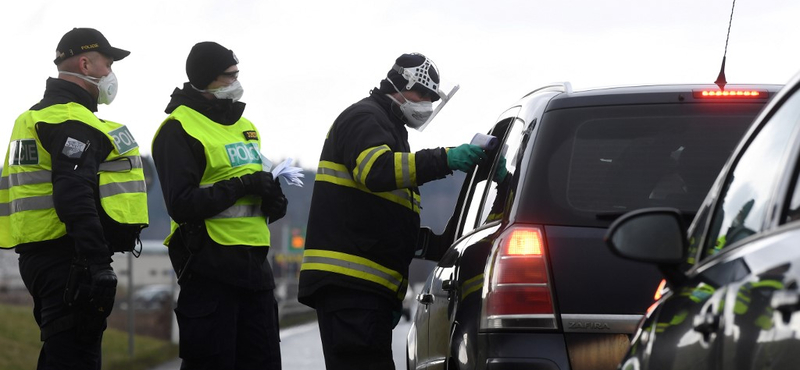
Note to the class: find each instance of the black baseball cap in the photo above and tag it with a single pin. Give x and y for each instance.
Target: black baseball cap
(81, 40)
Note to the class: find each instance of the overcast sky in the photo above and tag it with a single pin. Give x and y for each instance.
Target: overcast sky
(303, 62)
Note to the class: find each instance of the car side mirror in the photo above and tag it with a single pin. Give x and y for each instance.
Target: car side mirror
(654, 235)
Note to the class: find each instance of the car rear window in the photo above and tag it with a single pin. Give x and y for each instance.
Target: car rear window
(601, 162)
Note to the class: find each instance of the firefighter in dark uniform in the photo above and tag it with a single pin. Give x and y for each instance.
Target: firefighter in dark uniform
(72, 193)
(220, 200)
(364, 217)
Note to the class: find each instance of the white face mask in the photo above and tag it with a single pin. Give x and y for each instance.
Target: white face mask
(107, 85)
(416, 113)
(233, 91)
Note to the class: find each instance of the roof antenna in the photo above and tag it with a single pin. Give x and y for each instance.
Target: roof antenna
(721, 78)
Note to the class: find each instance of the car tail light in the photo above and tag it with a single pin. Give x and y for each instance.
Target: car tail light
(519, 294)
(737, 93)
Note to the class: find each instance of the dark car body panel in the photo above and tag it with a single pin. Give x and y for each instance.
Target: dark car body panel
(589, 279)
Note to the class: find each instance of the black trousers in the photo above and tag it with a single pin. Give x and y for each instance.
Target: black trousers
(223, 327)
(356, 329)
(44, 272)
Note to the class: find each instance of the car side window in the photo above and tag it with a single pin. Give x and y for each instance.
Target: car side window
(494, 205)
(481, 176)
(742, 207)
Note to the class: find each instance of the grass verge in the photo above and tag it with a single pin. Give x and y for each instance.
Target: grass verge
(19, 339)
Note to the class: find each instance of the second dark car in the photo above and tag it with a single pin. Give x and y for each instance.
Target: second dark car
(525, 279)
(732, 299)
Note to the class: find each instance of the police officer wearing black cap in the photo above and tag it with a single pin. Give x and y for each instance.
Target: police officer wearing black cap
(364, 218)
(220, 200)
(72, 193)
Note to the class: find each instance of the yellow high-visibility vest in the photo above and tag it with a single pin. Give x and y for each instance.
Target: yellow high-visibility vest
(231, 151)
(27, 211)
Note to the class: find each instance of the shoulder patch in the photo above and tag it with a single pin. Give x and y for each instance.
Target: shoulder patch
(250, 135)
(73, 148)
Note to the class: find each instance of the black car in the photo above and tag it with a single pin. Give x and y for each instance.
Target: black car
(732, 297)
(524, 278)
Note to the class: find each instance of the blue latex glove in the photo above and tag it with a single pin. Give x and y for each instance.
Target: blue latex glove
(464, 157)
(501, 172)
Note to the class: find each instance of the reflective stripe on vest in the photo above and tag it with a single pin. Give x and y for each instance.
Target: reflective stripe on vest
(46, 201)
(236, 211)
(354, 266)
(337, 174)
(26, 204)
(228, 154)
(44, 176)
(123, 164)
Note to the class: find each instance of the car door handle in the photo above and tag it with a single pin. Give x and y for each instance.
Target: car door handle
(449, 285)
(425, 298)
(786, 302)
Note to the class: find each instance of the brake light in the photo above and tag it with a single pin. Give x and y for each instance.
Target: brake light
(519, 292)
(745, 94)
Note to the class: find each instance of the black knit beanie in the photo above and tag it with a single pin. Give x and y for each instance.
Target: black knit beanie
(408, 60)
(206, 62)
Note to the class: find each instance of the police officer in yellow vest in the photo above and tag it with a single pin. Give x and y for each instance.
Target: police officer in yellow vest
(72, 193)
(220, 200)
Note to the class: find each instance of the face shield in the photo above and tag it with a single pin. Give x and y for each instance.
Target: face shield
(427, 75)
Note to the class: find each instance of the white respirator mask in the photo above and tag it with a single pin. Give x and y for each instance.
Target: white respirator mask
(107, 85)
(415, 113)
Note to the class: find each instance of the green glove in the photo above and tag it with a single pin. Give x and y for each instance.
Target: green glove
(464, 157)
(501, 172)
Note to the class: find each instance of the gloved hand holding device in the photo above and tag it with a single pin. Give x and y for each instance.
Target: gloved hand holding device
(464, 157)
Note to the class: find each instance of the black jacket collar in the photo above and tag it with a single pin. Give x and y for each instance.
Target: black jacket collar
(391, 108)
(58, 91)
